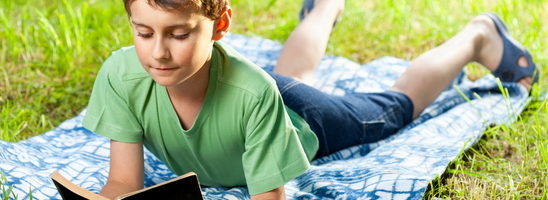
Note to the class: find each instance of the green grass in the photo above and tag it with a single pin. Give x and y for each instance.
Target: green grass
(5, 190)
(49, 55)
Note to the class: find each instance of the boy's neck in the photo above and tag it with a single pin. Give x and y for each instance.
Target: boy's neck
(194, 88)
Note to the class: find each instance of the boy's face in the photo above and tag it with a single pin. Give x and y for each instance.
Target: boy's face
(171, 45)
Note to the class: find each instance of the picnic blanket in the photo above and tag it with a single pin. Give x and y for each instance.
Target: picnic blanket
(399, 167)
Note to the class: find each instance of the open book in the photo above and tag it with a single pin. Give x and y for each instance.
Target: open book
(185, 186)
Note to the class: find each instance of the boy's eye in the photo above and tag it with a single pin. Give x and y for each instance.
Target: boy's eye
(180, 36)
(144, 35)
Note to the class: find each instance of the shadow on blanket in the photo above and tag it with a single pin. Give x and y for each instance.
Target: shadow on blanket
(399, 167)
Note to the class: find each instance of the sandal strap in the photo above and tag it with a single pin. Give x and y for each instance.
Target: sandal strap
(509, 69)
(308, 5)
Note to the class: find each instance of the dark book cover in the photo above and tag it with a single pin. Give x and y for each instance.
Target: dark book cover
(183, 187)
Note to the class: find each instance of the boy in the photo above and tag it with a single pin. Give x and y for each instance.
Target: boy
(199, 106)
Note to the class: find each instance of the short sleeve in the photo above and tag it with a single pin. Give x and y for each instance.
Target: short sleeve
(108, 112)
(273, 153)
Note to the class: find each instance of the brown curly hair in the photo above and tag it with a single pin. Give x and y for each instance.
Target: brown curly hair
(210, 8)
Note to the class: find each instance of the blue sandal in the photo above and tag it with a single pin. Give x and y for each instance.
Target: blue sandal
(508, 69)
(308, 5)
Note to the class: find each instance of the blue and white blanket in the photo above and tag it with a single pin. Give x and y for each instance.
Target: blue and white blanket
(399, 167)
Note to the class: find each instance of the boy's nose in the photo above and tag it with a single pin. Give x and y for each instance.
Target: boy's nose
(160, 51)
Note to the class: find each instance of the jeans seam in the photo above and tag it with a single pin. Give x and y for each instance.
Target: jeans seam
(390, 112)
(365, 125)
(289, 86)
(380, 119)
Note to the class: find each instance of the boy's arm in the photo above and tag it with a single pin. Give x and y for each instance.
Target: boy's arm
(126, 169)
(277, 193)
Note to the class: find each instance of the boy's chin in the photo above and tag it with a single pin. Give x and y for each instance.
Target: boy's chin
(165, 82)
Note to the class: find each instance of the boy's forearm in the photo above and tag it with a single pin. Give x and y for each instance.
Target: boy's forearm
(275, 194)
(114, 188)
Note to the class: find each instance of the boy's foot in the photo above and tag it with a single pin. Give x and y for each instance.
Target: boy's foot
(331, 5)
(502, 55)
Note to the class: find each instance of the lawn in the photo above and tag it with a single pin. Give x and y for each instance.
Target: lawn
(50, 53)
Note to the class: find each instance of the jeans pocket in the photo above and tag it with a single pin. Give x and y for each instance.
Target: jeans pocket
(373, 131)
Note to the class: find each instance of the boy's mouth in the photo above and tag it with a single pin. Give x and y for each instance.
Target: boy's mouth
(163, 69)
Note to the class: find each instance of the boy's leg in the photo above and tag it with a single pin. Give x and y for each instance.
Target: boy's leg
(306, 45)
(343, 121)
(431, 72)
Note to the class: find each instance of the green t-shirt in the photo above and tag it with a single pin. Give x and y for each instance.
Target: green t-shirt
(243, 134)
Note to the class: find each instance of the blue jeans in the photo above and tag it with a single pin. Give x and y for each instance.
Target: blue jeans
(344, 121)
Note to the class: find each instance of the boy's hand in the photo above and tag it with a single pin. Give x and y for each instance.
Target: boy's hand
(126, 169)
(277, 193)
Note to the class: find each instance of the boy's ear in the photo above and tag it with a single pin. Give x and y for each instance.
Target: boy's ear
(222, 24)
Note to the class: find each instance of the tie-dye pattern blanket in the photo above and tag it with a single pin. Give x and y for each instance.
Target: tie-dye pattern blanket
(399, 167)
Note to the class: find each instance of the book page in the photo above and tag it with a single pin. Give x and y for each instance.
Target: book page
(182, 187)
(69, 190)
